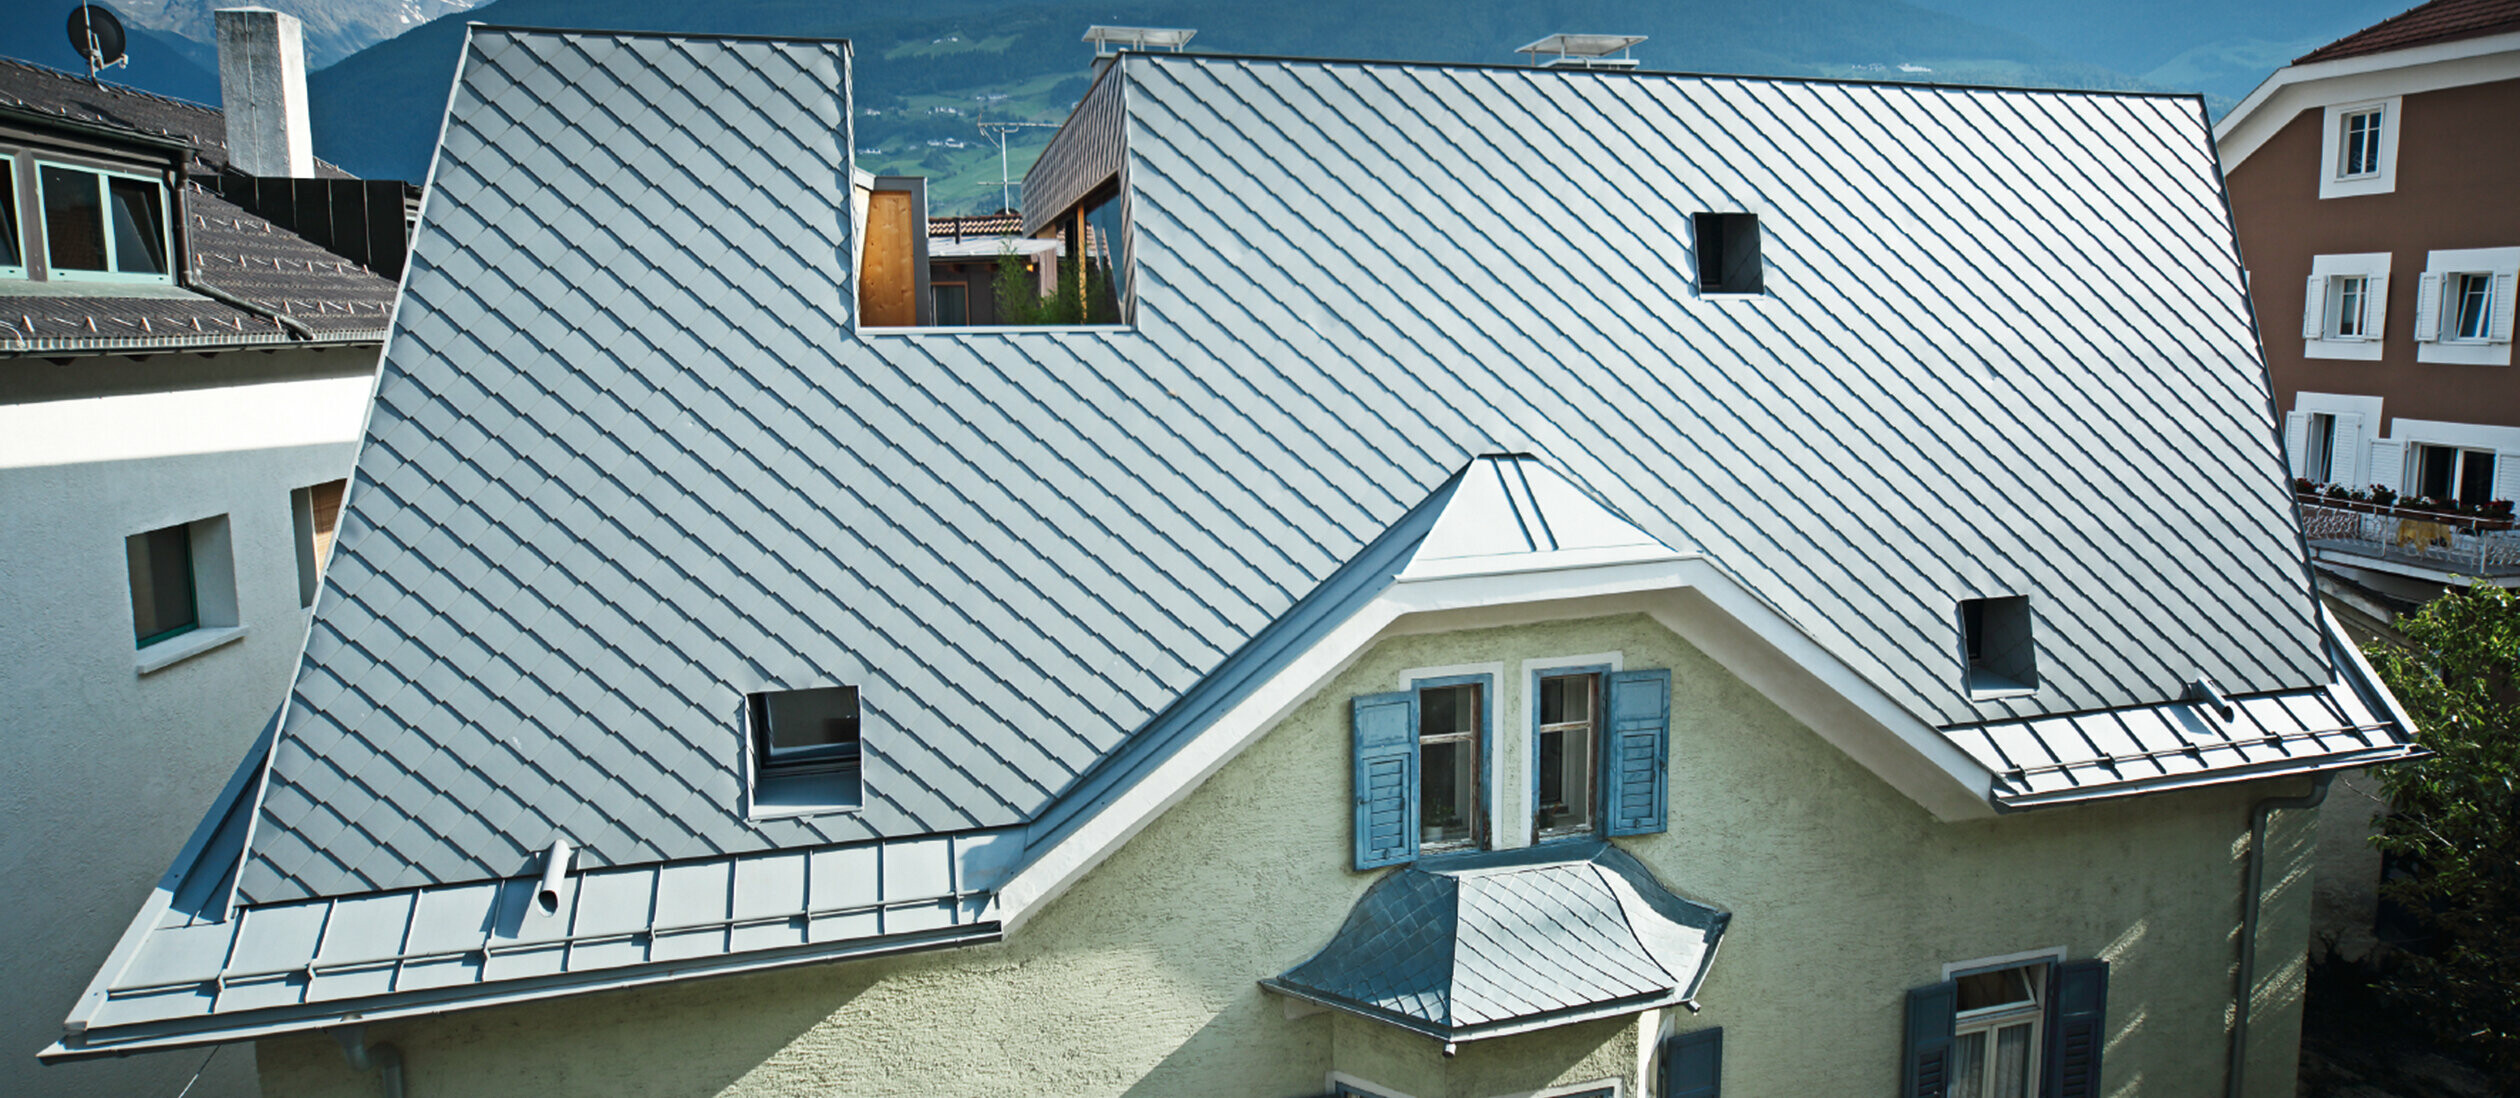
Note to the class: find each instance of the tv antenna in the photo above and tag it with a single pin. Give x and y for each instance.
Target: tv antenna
(98, 36)
(999, 130)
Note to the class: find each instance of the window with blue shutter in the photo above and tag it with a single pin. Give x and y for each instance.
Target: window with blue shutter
(1386, 779)
(1931, 1010)
(1693, 1064)
(1636, 752)
(2081, 1009)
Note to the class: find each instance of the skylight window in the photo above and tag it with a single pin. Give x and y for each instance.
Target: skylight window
(1728, 253)
(805, 749)
(1995, 636)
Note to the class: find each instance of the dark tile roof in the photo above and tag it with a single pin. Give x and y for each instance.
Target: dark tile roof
(281, 271)
(234, 254)
(74, 97)
(60, 322)
(2439, 21)
(970, 226)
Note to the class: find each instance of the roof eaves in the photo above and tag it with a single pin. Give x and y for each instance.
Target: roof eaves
(193, 1032)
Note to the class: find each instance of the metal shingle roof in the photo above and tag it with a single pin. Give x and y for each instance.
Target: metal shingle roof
(1477, 945)
(629, 461)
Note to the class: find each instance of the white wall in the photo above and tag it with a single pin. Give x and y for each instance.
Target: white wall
(109, 769)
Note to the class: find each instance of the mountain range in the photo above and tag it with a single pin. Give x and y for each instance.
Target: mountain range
(926, 75)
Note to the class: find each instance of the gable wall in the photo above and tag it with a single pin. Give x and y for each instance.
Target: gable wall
(1141, 979)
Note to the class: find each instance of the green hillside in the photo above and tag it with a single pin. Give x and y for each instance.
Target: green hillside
(924, 81)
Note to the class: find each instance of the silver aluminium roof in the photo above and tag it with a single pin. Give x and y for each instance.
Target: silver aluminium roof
(630, 460)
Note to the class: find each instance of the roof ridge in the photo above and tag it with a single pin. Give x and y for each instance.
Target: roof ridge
(125, 89)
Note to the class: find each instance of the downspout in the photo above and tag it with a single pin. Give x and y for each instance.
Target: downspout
(383, 1059)
(2251, 907)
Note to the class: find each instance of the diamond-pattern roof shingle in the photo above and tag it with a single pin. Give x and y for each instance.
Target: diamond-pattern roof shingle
(629, 459)
(1465, 945)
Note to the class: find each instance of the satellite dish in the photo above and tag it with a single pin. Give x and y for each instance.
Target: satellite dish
(97, 36)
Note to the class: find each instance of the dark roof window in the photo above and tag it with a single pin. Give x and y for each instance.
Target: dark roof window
(805, 749)
(1995, 635)
(1728, 253)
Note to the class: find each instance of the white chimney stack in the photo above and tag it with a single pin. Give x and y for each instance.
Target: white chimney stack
(262, 87)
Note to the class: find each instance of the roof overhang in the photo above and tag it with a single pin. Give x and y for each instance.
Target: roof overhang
(2295, 88)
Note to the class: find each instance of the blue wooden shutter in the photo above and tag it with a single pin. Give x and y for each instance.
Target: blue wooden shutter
(2082, 1004)
(1386, 779)
(1636, 754)
(1931, 1013)
(1693, 1064)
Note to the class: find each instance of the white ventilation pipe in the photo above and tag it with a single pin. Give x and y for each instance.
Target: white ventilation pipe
(555, 874)
(2213, 698)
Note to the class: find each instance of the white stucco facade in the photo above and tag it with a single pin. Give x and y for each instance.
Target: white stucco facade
(118, 749)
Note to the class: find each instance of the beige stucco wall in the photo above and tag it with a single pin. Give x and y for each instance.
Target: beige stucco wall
(1140, 980)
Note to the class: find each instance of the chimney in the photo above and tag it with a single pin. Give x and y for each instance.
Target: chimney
(262, 86)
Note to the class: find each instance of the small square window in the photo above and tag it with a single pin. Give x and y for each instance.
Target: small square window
(1996, 639)
(163, 602)
(805, 749)
(1728, 253)
(183, 591)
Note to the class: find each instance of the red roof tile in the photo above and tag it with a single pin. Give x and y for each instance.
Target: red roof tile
(2439, 21)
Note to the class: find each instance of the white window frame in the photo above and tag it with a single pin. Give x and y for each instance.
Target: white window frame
(2357, 424)
(1990, 1019)
(2323, 293)
(2333, 182)
(2435, 310)
(42, 236)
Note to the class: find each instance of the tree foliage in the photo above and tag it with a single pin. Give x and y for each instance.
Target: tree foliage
(2455, 822)
(1074, 301)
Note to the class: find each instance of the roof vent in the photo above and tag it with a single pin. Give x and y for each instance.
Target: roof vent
(1583, 51)
(2211, 697)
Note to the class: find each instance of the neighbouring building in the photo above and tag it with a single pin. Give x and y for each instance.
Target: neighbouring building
(2372, 185)
(190, 314)
(1555, 582)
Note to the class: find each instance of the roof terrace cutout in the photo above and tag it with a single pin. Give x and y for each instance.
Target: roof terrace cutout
(1111, 40)
(1583, 51)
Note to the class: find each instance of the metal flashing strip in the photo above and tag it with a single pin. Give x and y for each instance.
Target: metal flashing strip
(84, 1043)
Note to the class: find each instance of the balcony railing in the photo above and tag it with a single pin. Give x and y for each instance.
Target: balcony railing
(2457, 544)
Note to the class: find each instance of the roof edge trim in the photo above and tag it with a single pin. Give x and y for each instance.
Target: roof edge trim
(2258, 117)
(273, 1022)
(1192, 57)
(601, 32)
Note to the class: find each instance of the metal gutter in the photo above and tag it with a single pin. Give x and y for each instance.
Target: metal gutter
(1453, 1036)
(194, 1032)
(2291, 768)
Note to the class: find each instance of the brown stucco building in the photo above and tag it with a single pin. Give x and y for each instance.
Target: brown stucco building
(2375, 184)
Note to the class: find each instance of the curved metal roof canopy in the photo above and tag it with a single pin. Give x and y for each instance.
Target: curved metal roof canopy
(1494, 943)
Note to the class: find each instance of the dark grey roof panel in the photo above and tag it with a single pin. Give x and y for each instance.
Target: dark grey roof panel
(1085, 153)
(629, 460)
